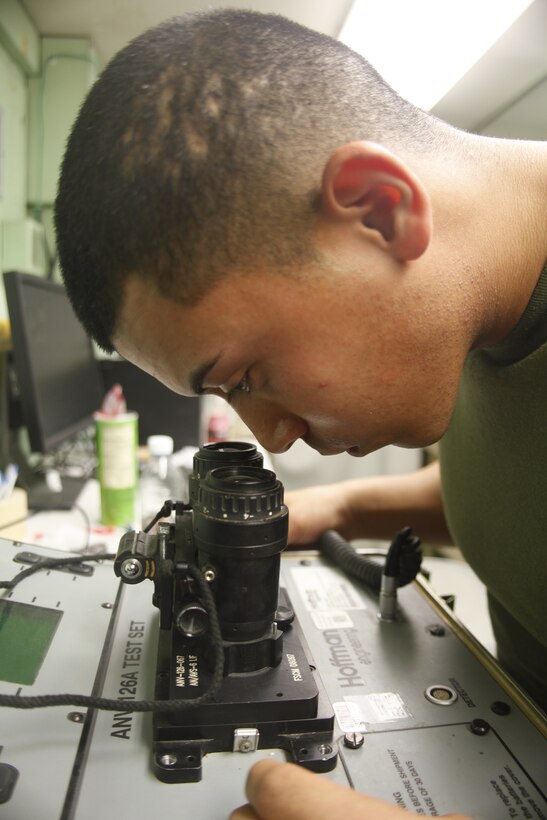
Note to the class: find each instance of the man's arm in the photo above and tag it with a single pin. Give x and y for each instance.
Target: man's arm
(283, 791)
(375, 507)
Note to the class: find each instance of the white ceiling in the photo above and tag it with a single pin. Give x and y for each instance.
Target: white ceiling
(504, 94)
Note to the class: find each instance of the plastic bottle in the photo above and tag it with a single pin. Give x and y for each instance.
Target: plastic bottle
(160, 479)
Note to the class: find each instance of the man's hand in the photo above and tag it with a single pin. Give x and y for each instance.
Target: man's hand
(314, 510)
(283, 791)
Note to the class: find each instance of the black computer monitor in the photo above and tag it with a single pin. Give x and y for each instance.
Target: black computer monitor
(59, 381)
(160, 410)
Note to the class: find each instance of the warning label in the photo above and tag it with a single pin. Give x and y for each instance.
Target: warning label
(515, 796)
(515, 799)
(413, 794)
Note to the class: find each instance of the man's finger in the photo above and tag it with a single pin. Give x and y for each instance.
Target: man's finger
(283, 791)
(244, 813)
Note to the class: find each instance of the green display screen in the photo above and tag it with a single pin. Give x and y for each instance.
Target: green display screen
(26, 632)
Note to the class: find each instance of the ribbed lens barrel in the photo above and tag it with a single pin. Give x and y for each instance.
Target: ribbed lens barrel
(221, 454)
(240, 528)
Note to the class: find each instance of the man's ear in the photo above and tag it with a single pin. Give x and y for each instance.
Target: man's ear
(367, 185)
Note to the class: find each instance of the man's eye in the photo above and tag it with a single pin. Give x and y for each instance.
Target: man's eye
(244, 386)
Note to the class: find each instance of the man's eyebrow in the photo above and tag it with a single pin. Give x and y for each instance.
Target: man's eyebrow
(198, 375)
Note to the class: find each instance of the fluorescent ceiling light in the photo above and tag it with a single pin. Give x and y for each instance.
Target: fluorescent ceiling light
(423, 47)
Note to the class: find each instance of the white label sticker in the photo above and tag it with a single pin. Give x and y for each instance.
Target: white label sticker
(119, 459)
(381, 707)
(332, 619)
(349, 716)
(322, 589)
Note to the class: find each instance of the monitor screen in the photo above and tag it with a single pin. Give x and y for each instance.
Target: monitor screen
(160, 410)
(59, 380)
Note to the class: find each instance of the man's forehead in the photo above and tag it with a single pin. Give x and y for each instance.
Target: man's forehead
(179, 343)
(142, 330)
(175, 343)
(140, 299)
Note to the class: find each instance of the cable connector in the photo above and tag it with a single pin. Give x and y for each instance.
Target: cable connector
(403, 561)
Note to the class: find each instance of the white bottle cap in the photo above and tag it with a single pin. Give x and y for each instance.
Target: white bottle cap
(160, 445)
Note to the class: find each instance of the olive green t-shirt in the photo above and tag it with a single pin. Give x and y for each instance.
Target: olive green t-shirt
(494, 479)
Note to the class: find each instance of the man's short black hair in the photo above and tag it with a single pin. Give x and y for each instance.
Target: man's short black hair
(200, 150)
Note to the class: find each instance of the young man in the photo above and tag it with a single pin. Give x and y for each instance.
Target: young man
(246, 208)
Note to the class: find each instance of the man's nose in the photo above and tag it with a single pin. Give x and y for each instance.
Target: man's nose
(274, 427)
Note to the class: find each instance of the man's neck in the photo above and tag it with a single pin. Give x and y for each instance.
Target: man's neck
(496, 222)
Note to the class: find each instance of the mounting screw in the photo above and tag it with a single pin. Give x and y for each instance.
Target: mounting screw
(353, 740)
(209, 574)
(76, 717)
(499, 707)
(479, 726)
(131, 568)
(167, 760)
(437, 630)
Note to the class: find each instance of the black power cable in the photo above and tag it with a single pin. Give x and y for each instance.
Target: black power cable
(403, 559)
(54, 563)
(111, 704)
(403, 562)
